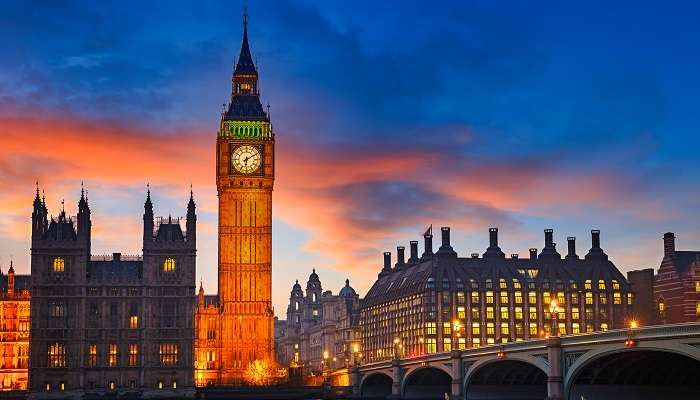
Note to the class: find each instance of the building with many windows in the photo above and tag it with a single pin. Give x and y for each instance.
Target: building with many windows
(677, 284)
(439, 301)
(322, 330)
(14, 337)
(111, 324)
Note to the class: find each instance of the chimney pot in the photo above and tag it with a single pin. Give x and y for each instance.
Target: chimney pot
(428, 244)
(116, 256)
(387, 260)
(533, 254)
(475, 255)
(514, 256)
(400, 255)
(669, 244)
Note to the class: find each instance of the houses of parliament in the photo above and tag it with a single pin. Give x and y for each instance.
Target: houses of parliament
(133, 325)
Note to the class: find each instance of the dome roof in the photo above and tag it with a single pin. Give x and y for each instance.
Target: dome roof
(296, 287)
(314, 277)
(347, 290)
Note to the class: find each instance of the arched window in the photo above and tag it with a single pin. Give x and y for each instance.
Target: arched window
(169, 265)
(502, 284)
(601, 284)
(57, 355)
(313, 297)
(296, 305)
(59, 264)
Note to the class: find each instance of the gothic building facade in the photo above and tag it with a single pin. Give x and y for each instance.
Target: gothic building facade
(322, 330)
(438, 301)
(111, 324)
(14, 337)
(241, 317)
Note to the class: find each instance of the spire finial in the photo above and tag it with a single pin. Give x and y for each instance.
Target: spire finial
(63, 205)
(37, 188)
(347, 282)
(191, 192)
(245, 18)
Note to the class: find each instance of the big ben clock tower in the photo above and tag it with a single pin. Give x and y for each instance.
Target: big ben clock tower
(245, 151)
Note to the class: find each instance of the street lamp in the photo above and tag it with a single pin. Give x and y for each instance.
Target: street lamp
(397, 347)
(554, 311)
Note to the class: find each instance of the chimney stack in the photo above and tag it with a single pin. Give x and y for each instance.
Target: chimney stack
(493, 237)
(400, 255)
(572, 247)
(428, 252)
(548, 238)
(514, 256)
(387, 260)
(445, 236)
(595, 239)
(669, 244)
(116, 256)
(414, 251)
(475, 255)
(533, 254)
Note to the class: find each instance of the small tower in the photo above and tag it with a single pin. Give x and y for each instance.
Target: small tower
(84, 223)
(39, 217)
(191, 224)
(147, 218)
(11, 280)
(200, 296)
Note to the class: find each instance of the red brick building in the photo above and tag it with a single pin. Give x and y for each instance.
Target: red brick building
(677, 284)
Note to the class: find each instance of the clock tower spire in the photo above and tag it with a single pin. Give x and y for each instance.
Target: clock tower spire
(245, 151)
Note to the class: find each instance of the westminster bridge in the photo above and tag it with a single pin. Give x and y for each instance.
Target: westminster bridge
(656, 362)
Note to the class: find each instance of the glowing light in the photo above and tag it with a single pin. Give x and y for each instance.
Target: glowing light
(259, 372)
(634, 324)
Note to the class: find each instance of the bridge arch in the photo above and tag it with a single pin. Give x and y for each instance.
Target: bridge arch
(517, 376)
(427, 382)
(647, 372)
(376, 385)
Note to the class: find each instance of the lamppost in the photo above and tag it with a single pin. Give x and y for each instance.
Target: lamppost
(554, 311)
(397, 348)
(458, 333)
(630, 341)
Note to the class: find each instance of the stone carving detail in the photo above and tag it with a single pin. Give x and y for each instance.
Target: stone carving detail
(542, 356)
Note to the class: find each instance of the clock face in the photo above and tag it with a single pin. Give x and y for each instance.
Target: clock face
(246, 159)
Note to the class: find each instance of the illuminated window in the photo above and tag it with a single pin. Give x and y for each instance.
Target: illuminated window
(475, 297)
(516, 284)
(505, 330)
(134, 322)
(446, 344)
(630, 299)
(532, 298)
(430, 328)
(490, 340)
(47, 387)
(697, 308)
(461, 313)
(617, 298)
(603, 298)
(502, 284)
(601, 284)
(245, 86)
(476, 328)
(615, 285)
(446, 328)
(133, 354)
(697, 287)
(532, 273)
(574, 298)
(490, 329)
(589, 328)
(575, 313)
(62, 386)
(59, 265)
(504, 298)
(518, 313)
(168, 353)
(519, 329)
(533, 329)
(113, 355)
(160, 384)
(92, 355)
(575, 328)
(489, 312)
(461, 343)
(561, 328)
(504, 312)
(460, 297)
(57, 355)
(533, 313)
(489, 297)
(589, 298)
(518, 297)
(587, 285)
(432, 345)
(604, 326)
(174, 385)
(476, 342)
(315, 312)
(169, 265)
(112, 385)
(296, 305)
(546, 298)
(475, 313)
(561, 299)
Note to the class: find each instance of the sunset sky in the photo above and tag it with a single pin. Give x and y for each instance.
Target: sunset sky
(389, 116)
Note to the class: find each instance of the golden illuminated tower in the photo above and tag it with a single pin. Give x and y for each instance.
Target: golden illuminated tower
(244, 178)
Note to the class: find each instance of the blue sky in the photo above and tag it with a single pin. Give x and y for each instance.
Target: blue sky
(389, 117)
